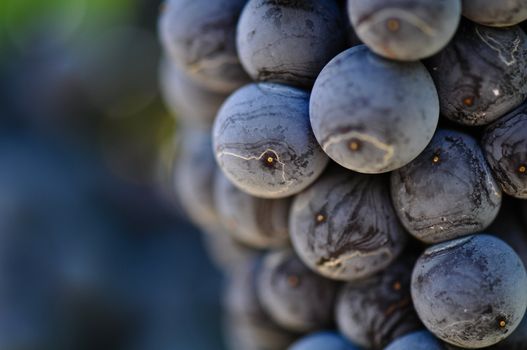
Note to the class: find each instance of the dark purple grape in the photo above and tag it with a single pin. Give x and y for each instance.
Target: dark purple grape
(200, 37)
(505, 146)
(470, 292)
(289, 41)
(263, 141)
(405, 30)
(294, 296)
(501, 13)
(482, 74)
(448, 191)
(256, 222)
(194, 172)
(373, 115)
(248, 327)
(373, 312)
(344, 226)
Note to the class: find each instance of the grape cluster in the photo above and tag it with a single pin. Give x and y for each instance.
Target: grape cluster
(366, 190)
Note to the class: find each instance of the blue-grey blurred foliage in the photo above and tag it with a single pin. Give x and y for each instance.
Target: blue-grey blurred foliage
(93, 252)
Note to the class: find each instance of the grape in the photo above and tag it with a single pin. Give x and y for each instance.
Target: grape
(248, 325)
(374, 311)
(289, 41)
(420, 340)
(263, 141)
(344, 226)
(256, 222)
(481, 74)
(192, 104)
(323, 340)
(372, 115)
(200, 37)
(505, 146)
(470, 292)
(193, 178)
(405, 30)
(448, 191)
(294, 296)
(502, 13)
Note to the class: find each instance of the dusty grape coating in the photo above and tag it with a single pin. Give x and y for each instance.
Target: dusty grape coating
(200, 37)
(324, 340)
(187, 101)
(372, 312)
(502, 13)
(263, 141)
(257, 222)
(295, 297)
(470, 292)
(405, 30)
(289, 41)
(344, 226)
(448, 191)
(482, 74)
(505, 147)
(194, 172)
(248, 327)
(373, 115)
(420, 340)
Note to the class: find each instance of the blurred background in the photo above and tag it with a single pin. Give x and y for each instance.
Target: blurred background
(94, 253)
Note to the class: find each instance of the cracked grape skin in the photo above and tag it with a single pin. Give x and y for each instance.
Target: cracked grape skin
(188, 102)
(248, 327)
(257, 222)
(405, 30)
(372, 115)
(470, 292)
(324, 340)
(420, 340)
(501, 13)
(289, 41)
(294, 296)
(505, 147)
(372, 312)
(481, 74)
(200, 38)
(263, 141)
(194, 178)
(344, 226)
(448, 191)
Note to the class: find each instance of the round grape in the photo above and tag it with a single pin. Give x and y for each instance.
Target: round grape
(289, 41)
(344, 226)
(200, 37)
(373, 312)
(482, 74)
(405, 30)
(264, 143)
(256, 222)
(373, 115)
(505, 146)
(502, 13)
(470, 292)
(295, 297)
(448, 191)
